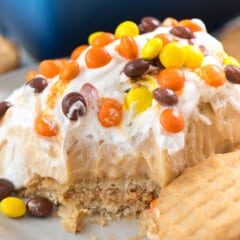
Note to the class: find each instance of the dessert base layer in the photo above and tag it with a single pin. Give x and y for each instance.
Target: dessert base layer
(109, 199)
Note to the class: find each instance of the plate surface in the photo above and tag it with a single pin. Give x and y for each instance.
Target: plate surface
(28, 228)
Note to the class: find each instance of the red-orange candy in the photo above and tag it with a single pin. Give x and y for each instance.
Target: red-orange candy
(49, 68)
(213, 75)
(127, 47)
(193, 26)
(166, 38)
(30, 75)
(103, 39)
(60, 62)
(77, 51)
(172, 78)
(170, 22)
(171, 120)
(69, 71)
(97, 57)
(45, 126)
(153, 204)
(110, 113)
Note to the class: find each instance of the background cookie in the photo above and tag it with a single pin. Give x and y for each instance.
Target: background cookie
(9, 55)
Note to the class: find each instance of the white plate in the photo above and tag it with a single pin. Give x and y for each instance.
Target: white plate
(28, 228)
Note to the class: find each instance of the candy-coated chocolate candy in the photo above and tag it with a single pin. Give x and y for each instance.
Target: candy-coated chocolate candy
(165, 96)
(182, 32)
(228, 60)
(139, 98)
(127, 28)
(170, 22)
(6, 188)
(213, 75)
(194, 56)
(172, 78)
(136, 67)
(31, 74)
(172, 55)
(39, 207)
(13, 207)
(44, 125)
(74, 105)
(91, 95)
(232, 73)
(97, 57)
(152, 48)
(92, 36)
(193, 26)
(103, 39)
(4, 106)
(128, 47)
(172, 120)
(69, 71)
(49, 68)
(110, 112)
(148, 24)
(38, 84)
(77, 51)
(166, 38)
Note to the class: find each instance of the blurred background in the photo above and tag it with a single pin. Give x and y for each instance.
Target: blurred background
(53, 28)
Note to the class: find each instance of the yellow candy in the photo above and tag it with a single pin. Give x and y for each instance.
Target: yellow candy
(228, 60)
(13, 207)
(172, 55)
(194, 56)
(140, 98)
(92, 36)
(127, 28)
(148, 82)
(152, 48)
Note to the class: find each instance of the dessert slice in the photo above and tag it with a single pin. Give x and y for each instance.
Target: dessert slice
(104, 131)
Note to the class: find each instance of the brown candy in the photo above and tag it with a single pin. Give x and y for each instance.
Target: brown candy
(232, 73)
(38, 83)
(165, 96)
(4, 107)
(80, 108)
(6, 188)
(182, 32)
(39, 207)
(136, 67)
(148, 24)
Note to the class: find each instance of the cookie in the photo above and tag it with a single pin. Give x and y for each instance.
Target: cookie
(9, 55)
(203, 203)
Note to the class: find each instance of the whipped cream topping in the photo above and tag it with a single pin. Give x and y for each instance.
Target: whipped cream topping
(123, 145)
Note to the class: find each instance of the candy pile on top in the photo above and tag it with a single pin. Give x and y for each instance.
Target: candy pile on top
(159, 62)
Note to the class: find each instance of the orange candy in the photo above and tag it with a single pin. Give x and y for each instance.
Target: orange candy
(110, 113)
(97, 57)
(127, 47)
(213, 75)
(103, 39)
(69, 71)
(171, 120)
(49, 68)
(45, 126)
(170, 22)
(172, 78)
(153, 204)
(77, 51)
(166, 38)
(191, 25)
(30, 75)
